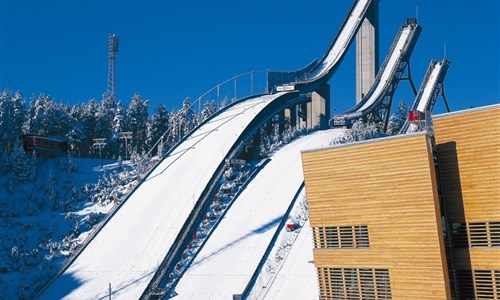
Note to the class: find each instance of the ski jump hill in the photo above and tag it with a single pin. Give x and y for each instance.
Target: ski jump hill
(150, 246)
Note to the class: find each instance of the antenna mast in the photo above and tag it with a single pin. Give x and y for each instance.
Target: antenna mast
(112, 51)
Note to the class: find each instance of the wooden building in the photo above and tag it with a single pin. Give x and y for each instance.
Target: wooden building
(468, 144)
(409, 218)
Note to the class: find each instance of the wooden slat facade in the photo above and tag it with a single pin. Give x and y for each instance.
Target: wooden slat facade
(468, 144)
(390, 186)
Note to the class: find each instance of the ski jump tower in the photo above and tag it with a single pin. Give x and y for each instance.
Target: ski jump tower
(367, 52)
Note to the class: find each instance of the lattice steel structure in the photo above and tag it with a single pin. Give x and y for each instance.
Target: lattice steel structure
(113, 43)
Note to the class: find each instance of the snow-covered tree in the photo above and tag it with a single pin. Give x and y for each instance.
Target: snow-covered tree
(360, 131)
(21, 165)
(397, 120)
(105, 119)
(76, 131)
(185, 118)
(137, 118)
(158, 124)
(12, 117)
(90, 113)
(208, 110)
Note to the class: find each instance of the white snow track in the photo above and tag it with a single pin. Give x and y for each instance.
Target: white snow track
(326, 67)
(431, 88)
(226, 263)
(127, 250)
(297, 277)
(427, 94)
(400, 50)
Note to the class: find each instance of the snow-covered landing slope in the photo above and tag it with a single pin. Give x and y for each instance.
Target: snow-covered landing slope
(128, 249)
(226, 263)
(297, 277)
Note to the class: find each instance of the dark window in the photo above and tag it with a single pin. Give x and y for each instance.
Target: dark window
(495, 235)
(475, 235)
(483, 280)
(354, 283)
(341, 237)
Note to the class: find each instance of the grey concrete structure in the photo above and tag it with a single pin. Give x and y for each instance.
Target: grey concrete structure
(318, 110)
(367, 52)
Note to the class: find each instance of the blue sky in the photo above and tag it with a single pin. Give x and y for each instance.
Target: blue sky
(173, 49)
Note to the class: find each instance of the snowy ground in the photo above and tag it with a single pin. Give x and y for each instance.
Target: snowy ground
(128, 249)
(226, 263)
(44, 219)
(297, 277)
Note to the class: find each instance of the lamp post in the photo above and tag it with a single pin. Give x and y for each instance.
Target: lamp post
(126, 136)
(100, 143)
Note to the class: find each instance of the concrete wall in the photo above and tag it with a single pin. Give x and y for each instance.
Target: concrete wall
(367, 53)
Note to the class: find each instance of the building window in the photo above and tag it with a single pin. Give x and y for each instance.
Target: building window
(487, 284)
(341, 237)
(354, 283)
(476, 235)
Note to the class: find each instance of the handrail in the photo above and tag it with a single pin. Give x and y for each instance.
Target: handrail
(93, 232)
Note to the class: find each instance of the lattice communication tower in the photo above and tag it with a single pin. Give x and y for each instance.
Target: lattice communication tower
(112, 51)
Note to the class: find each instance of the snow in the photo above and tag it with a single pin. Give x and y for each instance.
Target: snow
(128, 249)
(229, 258)
(429, 88)
(281, 249)
(42, 235)
(297, 277)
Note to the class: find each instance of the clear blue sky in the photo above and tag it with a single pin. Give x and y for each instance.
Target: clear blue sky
(173, 49)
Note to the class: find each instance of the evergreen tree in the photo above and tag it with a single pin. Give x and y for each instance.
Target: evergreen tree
(76, 130)
(21, 165)
(137, 118)
(208, 110)
(397, 120)
(12, 117)
(185, 118)
(158, 125)
(360, 131)
(105, 119)
(89, 114)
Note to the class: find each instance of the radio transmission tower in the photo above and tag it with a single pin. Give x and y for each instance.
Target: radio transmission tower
(112, 51)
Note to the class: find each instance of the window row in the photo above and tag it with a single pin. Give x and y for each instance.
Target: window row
(354, 283)
(350, 237)
(473, 235)
(479, 284)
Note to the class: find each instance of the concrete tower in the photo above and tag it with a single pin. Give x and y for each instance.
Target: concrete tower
(367, 52)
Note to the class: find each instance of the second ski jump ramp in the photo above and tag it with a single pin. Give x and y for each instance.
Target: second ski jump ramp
(226, 263)
(127, 250)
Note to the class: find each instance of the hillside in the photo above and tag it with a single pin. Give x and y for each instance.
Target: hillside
(47, 209)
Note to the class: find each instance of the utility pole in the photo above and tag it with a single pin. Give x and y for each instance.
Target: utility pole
(126, 136)
(110, 291)
(99, 143)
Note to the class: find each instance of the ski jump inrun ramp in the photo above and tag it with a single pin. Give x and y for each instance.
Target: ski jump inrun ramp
(128, 249)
